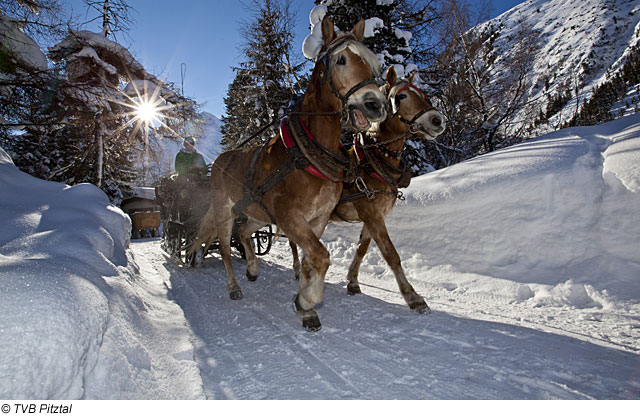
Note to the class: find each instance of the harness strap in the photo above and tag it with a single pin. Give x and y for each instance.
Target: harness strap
(321, 162)
(296, 159)
(254, 194)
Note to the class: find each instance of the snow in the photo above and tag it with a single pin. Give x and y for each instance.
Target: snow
(370, 26)
(580, 40)
(312, 44)
(527, 256)
(22, 46)
(148, 193)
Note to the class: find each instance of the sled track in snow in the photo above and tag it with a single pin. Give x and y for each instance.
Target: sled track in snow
(370, 348)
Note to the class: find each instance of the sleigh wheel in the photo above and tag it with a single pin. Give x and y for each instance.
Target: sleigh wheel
(262, 240)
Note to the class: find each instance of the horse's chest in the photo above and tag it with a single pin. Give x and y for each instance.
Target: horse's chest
(323, 200)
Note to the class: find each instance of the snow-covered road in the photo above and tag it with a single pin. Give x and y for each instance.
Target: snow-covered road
(371, 346)
(528, 257)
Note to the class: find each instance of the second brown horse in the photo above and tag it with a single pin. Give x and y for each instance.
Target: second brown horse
(374, 194)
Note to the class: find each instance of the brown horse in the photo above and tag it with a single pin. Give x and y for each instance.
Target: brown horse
(296, 180)
(370, 198)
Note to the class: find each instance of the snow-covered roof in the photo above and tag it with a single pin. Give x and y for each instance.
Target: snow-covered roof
(23, 48)
(148, 193)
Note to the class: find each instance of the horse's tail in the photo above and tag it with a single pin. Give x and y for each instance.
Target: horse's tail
(207, 232)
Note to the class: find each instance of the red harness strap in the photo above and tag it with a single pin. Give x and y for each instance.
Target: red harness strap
(373, 174)
(289, 143)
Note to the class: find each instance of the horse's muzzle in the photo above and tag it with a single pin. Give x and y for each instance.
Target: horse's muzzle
(431, 124)
(366, 108)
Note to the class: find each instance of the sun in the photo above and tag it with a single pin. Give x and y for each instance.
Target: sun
(147, 111)
(149, 108)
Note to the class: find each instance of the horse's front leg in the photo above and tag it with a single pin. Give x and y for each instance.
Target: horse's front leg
(296, 260)
(353, 287)
(377, 228)
(315, 264)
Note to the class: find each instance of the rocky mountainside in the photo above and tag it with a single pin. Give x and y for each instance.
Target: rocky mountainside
(582, 43)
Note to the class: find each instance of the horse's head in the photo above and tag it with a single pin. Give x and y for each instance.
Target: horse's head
(411, 106)
(350, 70)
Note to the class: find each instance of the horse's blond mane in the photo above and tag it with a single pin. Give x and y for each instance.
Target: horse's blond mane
(362, 51)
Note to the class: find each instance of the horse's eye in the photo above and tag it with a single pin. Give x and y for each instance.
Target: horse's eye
(402, 96)
(342, 60)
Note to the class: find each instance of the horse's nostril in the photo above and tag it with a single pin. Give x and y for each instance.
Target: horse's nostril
(373, 106)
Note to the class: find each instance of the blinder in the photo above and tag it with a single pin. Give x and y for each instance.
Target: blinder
(325, 77)
(413, 127)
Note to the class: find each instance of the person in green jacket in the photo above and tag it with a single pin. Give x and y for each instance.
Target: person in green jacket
(189, 161)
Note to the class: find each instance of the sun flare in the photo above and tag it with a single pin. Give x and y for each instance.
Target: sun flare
(147, 112)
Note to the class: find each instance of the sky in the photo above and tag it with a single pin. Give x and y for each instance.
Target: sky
(204, 35)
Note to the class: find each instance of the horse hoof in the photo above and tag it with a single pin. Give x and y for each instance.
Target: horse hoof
(353, 289)
(311, 324)
(236, 295)
(420, 308)
(310, 319)
(251, 278)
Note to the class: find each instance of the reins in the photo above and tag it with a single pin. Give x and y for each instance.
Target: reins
(375, 165)
(302, 151)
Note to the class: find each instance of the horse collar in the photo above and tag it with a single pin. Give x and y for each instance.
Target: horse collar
(309, 155)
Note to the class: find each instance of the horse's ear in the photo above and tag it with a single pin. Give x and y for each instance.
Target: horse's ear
(358, 30)
(391, 77)
(328, 33)
(411, 77)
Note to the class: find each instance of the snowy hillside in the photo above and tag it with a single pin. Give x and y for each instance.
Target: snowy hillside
(527, 256)
(581, 42)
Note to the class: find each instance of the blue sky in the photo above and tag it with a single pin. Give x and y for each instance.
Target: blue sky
(204, 35)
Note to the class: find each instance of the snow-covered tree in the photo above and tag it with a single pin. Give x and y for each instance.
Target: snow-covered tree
(26, 81)
(267, 78)
(107, 88)
(88, 122)
(24, 75)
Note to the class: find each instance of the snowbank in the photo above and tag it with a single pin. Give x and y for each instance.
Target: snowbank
(553, 221)
(23, 48)
(73, 324)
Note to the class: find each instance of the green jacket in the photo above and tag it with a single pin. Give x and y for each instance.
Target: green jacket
(190, 163)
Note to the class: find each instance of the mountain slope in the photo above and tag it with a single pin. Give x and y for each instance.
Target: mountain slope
(582, 43)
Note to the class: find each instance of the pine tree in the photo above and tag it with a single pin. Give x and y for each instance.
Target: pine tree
(266, 80)
(26, 82)
(388, 41)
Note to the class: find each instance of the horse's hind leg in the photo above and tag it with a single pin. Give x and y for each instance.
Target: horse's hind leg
(244, 234)
(225, 228)
(380, 235)
(353, 287)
